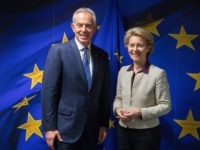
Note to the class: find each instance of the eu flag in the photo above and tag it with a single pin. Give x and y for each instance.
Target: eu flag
(29, 29)
(175, 27)
(110, 38)
(26, 34)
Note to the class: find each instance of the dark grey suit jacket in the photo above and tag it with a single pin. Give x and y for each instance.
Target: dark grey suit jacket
(67, 105)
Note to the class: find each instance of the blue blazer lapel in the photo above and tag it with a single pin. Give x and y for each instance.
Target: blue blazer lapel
(77, 59)
(95, 65)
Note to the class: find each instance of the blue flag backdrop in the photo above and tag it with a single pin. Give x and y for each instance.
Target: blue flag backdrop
(29, 29)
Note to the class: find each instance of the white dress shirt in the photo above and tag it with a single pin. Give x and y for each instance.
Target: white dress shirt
(89, 56)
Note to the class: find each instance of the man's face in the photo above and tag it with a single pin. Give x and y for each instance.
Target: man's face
(84, 28)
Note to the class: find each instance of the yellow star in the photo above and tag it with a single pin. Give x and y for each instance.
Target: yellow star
(184, 39)
(31, 126)
(111, 123)
(119, 58)
(65, 39)
(98, 27)
(189, 126)
(150, 24)
(23, 102)
(195, 76)
(36, 76)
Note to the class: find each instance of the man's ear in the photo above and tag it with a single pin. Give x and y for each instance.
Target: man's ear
(72, 26)
(95, 28)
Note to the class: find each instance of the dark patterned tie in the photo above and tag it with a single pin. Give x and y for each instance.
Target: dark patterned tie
(86, 67)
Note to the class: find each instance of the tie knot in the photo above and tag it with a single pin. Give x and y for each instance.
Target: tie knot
(85, 49)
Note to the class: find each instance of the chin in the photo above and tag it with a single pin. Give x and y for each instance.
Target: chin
(135, 60)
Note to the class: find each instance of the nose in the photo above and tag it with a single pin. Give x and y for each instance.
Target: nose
(134, 48)
(84, 28)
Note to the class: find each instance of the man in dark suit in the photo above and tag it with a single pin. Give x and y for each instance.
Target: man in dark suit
(75, 113)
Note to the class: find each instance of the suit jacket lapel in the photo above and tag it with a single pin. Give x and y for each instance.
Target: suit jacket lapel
(95, 64)
(77, 58)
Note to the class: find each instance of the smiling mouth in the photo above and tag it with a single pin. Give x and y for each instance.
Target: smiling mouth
(84, 37)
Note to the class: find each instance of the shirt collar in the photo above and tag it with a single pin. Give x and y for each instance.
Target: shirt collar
(81, 46)
(145, 69)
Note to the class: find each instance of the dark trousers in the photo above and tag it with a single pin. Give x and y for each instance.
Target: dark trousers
(82, 144)
(138, 139)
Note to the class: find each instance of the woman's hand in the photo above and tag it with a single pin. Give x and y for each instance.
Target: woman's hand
(133, 113)
(121, 113)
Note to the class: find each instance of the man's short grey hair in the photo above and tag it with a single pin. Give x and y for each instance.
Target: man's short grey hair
(84, 10)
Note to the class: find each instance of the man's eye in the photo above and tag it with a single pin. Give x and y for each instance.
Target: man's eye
(89, 26)
(79, 25)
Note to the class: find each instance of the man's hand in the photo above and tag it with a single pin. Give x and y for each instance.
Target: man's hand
(51, 136)
(102, 134)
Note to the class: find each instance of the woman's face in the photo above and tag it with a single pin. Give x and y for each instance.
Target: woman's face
(138, 49)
